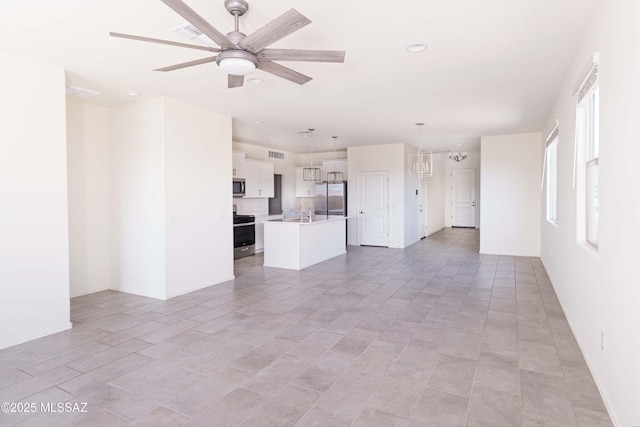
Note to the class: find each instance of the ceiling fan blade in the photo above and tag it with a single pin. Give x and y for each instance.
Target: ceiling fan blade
(198, 21)
(301, 55)
(280, 27)
(170, 43)
(235, 81)
(284, 72)
(187, 64)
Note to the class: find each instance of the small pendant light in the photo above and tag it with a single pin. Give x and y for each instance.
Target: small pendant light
(311, 173)
(336, 175)
(420, 163)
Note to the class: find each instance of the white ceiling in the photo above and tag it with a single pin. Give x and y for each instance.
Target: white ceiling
(493, 66)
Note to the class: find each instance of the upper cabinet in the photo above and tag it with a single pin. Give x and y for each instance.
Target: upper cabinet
(258, 179)
(303, 188)
(339, 165)
(238, 164)
(258, 175)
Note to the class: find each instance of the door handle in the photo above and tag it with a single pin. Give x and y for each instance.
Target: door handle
(361, 212)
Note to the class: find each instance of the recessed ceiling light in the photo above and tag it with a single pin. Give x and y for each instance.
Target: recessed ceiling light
(258, 122)
(417, 47)
(133, 93)
(255, 80)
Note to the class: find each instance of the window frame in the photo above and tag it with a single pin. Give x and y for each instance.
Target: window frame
(592, 166)
(551, 178)
(588, 143)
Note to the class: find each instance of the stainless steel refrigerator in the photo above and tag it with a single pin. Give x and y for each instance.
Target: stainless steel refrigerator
(330, 199)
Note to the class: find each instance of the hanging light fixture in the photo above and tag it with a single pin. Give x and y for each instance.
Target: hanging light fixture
(421, 162)
(458, 156)
(336, 175)
(311, 173)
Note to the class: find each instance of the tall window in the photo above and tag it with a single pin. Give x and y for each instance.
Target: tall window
(551, 159)
(587, 138)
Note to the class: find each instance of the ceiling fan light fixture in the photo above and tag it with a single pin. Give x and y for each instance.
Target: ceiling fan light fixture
(237, 66)
(237, 62)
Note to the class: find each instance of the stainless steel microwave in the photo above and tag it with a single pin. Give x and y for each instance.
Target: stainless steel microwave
(238, 187)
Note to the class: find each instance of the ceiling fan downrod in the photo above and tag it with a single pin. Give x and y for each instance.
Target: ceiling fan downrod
(237, 8)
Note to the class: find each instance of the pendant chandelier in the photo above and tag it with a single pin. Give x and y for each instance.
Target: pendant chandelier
(311, 172)
(458, 156)
(336, 175)
(420, 164)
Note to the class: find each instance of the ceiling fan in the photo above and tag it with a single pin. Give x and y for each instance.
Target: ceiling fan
(239, 54)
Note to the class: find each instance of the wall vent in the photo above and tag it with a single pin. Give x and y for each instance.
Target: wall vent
(276, 155)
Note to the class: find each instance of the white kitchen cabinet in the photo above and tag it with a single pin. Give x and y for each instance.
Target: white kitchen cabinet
(303, 188)
(258, 179)
(296, 245)
(339, 165)
(259, 236)
(238, 158)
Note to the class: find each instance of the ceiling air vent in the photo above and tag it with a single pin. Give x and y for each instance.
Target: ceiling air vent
(276, 155)
(81, 92)
(191, 33)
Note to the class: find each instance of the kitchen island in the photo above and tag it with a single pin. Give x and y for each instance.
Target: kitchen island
(296, 244)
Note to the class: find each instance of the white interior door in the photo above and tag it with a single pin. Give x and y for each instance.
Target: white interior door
(463, 197)
(373, 203)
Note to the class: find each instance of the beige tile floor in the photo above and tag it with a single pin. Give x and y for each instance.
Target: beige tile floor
(432, 335)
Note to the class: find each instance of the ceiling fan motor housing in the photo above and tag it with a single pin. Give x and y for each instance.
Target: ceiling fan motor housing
(235, 37)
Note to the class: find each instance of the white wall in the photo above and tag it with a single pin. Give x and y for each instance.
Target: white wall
(599, 291)
(136, 166)
(170, 198)
(511, 167)
(34, 230)
(389, 158)
(198, 194)
(435, 195)
(471, 162)
(88, 171)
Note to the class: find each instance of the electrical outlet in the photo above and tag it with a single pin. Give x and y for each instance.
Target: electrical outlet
(602, 341)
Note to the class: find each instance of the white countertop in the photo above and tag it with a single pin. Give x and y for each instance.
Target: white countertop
(296, 220)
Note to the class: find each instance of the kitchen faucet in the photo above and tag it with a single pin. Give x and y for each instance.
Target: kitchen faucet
(306, 213)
